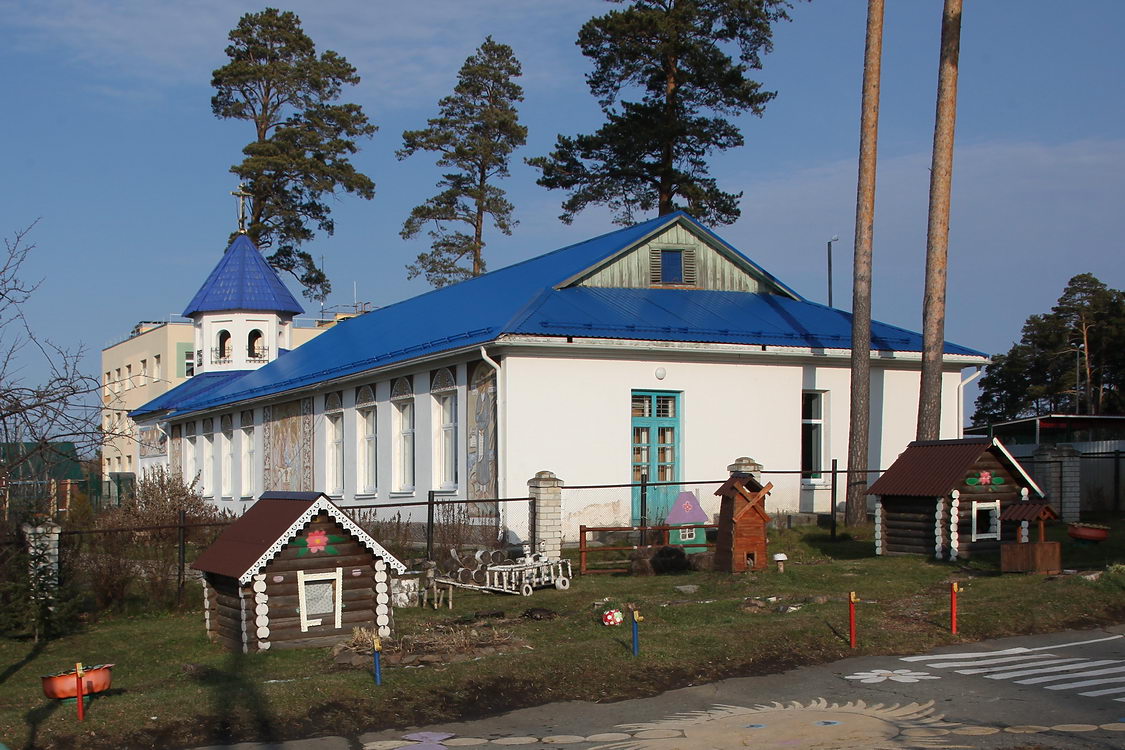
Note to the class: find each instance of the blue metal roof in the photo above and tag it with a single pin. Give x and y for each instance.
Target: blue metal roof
(243, 280)
(193, 388)
(708, 317)
(525, 299)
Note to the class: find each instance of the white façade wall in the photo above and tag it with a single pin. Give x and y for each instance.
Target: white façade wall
(572, 416)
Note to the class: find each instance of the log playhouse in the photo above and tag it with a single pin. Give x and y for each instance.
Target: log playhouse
(945, 498)
(294, 571)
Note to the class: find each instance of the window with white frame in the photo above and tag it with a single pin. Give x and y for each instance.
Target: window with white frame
(156, 367)
(812, 435)
(207, 459)
(191, 466)
(320, 594)
(248, 487)
(444, 391)
(367, 463)
(402, 398)
(226, 452)
(334, 440)
(986, 520)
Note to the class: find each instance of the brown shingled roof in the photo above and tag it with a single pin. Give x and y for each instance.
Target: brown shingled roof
(242, 549)
(934, 468)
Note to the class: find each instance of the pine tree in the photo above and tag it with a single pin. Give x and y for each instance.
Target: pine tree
(303, 138)
(474, 134)
(652, 153)
(1068, 360)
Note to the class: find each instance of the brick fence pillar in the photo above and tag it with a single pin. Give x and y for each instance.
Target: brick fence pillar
(546, 528)
(43, 553)
(1058, 472)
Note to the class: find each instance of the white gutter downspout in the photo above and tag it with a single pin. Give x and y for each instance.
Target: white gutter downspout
(961, 400)
(501, 434)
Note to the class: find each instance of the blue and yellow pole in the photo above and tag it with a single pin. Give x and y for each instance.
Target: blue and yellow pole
(375, 651)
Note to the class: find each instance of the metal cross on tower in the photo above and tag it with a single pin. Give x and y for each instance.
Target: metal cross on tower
(242, 195)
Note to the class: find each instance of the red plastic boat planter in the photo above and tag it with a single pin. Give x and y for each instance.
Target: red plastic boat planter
(1088, 533)
(95, 679)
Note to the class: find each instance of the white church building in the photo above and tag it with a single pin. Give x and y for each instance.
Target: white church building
(658, 349)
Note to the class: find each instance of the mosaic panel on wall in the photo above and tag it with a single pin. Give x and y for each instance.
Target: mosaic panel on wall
(153, 442)
(176, 459)
(287, 436)
(481, 443)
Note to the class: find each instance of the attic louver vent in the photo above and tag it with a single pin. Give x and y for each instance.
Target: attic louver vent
(672, 266)
(689, 267)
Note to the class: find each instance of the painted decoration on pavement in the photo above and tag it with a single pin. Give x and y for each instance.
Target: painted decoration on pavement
(894, 675)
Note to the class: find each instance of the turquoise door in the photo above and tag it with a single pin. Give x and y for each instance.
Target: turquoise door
(656, 451)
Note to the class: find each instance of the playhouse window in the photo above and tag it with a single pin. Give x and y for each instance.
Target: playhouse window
(318, 594)
(986, 520)
(687, 535)
(812, 435)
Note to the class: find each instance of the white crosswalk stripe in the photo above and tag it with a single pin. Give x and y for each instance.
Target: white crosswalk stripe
(1007, 667)
(1039, 667)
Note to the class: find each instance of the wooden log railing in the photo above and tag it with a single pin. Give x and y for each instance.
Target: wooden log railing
(662, 534)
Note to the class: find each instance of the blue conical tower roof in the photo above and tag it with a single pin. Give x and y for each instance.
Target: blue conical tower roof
(243, 281)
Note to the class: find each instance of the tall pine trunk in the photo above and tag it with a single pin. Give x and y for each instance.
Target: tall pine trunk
(856, 502)
(937, 233)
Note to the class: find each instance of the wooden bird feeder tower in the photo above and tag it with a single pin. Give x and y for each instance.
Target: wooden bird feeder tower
(741, 542)
(1022, 556)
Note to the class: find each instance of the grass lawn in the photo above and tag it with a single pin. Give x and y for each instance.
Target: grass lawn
(171, 688)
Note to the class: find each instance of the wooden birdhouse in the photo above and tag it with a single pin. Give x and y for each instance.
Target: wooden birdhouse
(741, 542)
(945, 498)
(1023, 556)
(294, 571)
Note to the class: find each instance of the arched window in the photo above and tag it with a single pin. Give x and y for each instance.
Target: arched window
(444, 390)
(368, 434)
(402, 396)
(222, 351)
(334, 422)
(255, 346)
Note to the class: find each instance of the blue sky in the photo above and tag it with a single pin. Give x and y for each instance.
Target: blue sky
(109, 141)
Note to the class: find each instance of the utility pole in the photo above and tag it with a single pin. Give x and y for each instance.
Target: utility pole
(937, 233)
(856, 497)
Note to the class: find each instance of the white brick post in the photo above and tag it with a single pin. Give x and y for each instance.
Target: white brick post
(545, 490)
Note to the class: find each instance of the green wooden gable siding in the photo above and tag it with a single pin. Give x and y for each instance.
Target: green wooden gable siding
(713, 271)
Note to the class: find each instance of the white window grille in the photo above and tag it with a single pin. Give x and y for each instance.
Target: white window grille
(226, 447)
(248, 483)
(444, 390)
(334, 424)
(319, 594)
(402, 396)
(986, 519)
(812, 435)
(368, 448)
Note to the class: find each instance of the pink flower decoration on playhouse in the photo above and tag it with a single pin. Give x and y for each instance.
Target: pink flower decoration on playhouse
(317, 541)
(986, 477)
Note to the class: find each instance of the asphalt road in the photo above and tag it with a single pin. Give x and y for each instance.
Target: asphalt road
(1064, 690)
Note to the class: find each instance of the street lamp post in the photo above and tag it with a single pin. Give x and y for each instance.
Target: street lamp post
(835, 238)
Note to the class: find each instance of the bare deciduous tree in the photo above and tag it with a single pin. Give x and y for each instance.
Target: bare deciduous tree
(45, 399)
